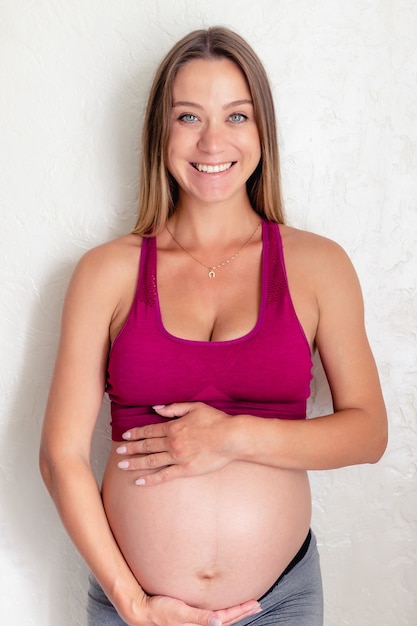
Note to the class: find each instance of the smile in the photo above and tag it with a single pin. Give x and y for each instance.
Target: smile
(212, 169)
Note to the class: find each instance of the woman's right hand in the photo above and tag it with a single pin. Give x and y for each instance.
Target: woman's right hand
(164, 611)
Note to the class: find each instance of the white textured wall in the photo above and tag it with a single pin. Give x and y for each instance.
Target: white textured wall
(73, 82)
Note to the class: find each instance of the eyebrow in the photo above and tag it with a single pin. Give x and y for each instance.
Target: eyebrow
(195, 105)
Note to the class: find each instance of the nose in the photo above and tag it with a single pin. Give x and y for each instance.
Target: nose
(211, 138)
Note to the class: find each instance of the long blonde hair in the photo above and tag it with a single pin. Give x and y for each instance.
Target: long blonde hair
(158, 189)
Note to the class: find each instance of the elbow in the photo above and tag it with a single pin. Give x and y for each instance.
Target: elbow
(58, 462)
(51, 460)
(45, 468)
(379, 443)
(378, 449)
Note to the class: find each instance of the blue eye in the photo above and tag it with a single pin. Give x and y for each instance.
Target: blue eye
(236, 118)
(188, 117)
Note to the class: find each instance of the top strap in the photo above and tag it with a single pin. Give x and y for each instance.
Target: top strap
(276, 275)
(147, 272)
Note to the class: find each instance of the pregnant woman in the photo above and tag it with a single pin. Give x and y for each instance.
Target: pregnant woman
(201, 325)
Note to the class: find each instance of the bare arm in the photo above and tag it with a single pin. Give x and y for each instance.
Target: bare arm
(357, 430)
(74, 401)
(92, 304)
(205, 439)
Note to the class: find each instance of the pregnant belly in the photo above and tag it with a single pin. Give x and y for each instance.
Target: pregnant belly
(212, 541)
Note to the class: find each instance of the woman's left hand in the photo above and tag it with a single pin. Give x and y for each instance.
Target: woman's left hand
(197, 442)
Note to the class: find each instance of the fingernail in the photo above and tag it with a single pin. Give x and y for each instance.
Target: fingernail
(121, 449)
(158, 406)
(140, 481)
(215, 621)
(126, 435)
(123, 464)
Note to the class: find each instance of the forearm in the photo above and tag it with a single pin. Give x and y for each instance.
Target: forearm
(348, 437)
(74, 490)
(203, 439)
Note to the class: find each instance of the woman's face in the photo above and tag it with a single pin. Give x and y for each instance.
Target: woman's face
(214, 145)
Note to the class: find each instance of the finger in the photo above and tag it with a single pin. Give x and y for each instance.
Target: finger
(149, 431)
(164, 475)
(213, 621)
(235, 613)
(239, 617)
(146, 462)
(143, 446)
(177, 409)
(204, 618)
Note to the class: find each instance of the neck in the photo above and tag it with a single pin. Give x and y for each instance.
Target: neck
(213, 267)
(212, 227)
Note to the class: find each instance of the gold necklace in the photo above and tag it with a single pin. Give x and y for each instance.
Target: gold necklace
(212, 268)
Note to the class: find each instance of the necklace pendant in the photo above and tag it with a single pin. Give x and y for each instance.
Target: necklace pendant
(212, 273)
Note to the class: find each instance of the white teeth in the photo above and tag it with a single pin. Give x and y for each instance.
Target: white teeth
(212, 169)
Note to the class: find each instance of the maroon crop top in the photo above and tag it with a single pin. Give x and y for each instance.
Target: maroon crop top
(265, 373)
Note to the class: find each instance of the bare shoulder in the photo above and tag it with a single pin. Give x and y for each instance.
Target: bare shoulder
(105, 277)
(114, 263)
(302, 242)
(317, 257)
(113, 254)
